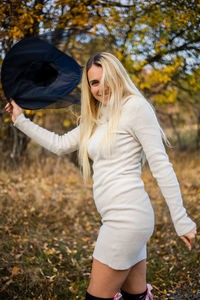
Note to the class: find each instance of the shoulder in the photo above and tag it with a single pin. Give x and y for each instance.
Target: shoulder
(138, 110)
(133, 103)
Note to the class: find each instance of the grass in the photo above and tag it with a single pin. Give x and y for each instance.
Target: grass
(49, 225)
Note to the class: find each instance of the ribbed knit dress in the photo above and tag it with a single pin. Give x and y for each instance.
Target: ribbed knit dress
(119, 193)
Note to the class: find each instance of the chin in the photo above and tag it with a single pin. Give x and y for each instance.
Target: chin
(105, 101)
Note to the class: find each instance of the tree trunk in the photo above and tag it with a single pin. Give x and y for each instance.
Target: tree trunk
(198, 133)
(177, 134)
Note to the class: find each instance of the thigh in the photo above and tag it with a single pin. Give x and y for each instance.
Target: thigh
(135, 282)
(105, 282)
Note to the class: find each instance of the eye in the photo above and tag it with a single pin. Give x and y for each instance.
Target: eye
(94, 83)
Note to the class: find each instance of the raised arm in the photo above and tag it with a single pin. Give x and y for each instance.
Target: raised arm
(58, 144)
(145, 129)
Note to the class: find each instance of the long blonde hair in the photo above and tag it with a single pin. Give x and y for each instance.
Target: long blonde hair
(120, 86)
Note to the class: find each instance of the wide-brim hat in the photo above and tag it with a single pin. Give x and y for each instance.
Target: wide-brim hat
(36, 74)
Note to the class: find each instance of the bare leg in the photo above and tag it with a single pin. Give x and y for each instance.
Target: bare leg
(105, 282)
(135, 282)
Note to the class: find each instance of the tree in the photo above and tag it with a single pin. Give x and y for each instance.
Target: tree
(159, 43)
(18, 19)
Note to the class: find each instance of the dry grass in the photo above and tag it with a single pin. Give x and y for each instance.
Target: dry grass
(49, 224)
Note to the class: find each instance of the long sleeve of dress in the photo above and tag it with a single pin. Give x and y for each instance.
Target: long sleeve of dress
(58, 144)
(146, 130)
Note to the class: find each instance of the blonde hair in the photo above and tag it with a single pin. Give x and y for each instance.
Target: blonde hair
(120, 86)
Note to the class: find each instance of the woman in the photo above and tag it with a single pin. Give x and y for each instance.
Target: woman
(118, 126)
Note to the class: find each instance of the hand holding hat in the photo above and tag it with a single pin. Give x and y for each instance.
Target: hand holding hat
(14, 109)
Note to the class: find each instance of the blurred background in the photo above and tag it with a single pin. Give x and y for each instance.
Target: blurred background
(48, 220)
(158, 42)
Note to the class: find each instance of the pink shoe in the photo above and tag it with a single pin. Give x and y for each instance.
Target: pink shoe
(117, 296)
(149, 294)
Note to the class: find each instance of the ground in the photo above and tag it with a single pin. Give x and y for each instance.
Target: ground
(49, 225)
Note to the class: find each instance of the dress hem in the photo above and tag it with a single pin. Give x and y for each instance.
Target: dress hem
(114, 267)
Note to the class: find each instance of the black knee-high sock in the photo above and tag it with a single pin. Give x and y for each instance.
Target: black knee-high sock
(127, 296)
(90, 297)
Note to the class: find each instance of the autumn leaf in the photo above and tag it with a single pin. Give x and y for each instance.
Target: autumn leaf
(15, 271)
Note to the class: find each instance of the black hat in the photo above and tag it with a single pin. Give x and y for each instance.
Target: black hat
(36, 74)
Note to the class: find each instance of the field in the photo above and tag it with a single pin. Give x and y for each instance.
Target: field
(49, 224)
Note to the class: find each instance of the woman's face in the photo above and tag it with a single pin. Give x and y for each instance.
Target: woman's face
(94, 78)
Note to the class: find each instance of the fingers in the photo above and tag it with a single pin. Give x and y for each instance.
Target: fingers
(186, 242)
(9, 108)
(192, 240)
(189, 239)
(12, 101)
(14, 104)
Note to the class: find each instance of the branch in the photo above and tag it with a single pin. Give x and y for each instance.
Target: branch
(186, 46)
(116, 3)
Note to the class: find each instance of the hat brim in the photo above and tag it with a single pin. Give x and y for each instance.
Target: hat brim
(36, 74)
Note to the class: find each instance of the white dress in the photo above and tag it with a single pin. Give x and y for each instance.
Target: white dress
(119, 194)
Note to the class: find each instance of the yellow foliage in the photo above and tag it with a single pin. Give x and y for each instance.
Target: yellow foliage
(158, 77)
(38, 6)
(161, 43)
(39, 114)
(16, 33)
(66, 123)
(166, 97)
(6, 120)
(29, 112)
(167, 24)
(145, 84)
(119, 55)
(31, 20)
(40, 18)
(135, 79)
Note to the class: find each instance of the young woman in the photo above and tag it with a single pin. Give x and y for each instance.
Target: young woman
(118, 128)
